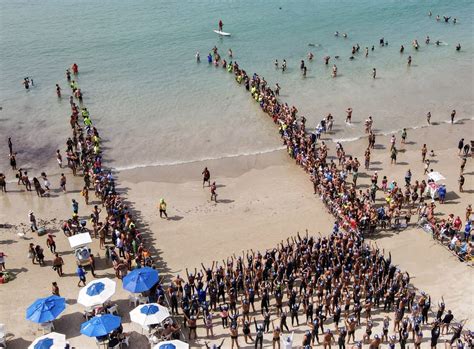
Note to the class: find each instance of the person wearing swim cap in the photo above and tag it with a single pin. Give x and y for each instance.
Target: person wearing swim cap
(162, 208)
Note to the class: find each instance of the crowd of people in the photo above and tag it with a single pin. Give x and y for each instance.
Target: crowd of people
(331, 288)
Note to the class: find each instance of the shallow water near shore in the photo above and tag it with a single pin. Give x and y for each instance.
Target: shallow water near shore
(155, 105)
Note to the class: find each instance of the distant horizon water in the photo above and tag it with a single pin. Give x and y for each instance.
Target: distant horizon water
(155, 105)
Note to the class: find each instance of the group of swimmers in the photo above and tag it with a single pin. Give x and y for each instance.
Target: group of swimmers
(333, 287)
(355, 212)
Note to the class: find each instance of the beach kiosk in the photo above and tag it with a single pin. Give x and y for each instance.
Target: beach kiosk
(80, 245)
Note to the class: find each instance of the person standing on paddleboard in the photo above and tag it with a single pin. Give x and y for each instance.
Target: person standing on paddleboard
(220, 25)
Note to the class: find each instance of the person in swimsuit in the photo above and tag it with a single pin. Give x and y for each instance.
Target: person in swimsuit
(276, 336)
(234, 335)
(206, 177)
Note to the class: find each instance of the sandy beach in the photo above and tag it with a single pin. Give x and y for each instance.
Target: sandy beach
(262, 200)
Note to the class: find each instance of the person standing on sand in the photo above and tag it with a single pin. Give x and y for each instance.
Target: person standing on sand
(2, 261)
(214, 192)
(424, 151)
(59, 158)
(404, 136)
(428, 118)
(85, 194)
(58, 263)
(453, 114)
(460, 145)
(206, 177)
(461, 183)
(51, 243)
(3, 183)
(393, 155)
(81, 273)
(162, 208)
(62, 182)
(32, 219)
(55, 289)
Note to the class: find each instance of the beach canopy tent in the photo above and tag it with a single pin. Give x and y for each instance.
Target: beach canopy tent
(436, 176)
(140, 279)
(174, 344)
(80, 240)
(100, 325)
(149, 314)
(45, 309)
(96, 292)
(51, 340)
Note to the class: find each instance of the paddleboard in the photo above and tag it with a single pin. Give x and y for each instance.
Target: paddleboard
(221, 33)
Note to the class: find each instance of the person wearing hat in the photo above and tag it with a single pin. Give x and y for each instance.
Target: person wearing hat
(32, 220)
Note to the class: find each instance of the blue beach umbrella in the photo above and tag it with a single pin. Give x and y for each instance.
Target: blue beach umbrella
(174, 344)
(140, 280)
(45, 309)
(100, 325)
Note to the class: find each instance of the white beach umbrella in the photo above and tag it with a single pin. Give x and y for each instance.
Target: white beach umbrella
(96, 292)
(174, 344)
(51, 340)
(149, 314)
(436, 176)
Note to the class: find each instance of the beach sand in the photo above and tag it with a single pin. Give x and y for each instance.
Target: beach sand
(263, 199)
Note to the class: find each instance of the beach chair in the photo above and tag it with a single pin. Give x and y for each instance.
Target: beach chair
(125, 341)
(113, 310)
(47, 327)
(133, 300)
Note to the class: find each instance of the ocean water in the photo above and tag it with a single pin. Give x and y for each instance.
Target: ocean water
(155, 105)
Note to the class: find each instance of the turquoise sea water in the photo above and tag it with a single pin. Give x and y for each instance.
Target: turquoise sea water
(155, 105)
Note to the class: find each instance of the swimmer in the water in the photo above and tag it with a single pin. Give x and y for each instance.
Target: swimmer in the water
(402, 48)
(415, 44)
(427, 40)
(374, 73)
(446, 19)
(198, 57)
(336, 33)
(302, 65)
(438, 42)
(344, 35)
(230, 53)
(437, 17)
(283, 65)
(458, 47)
(334, 71)
(382, 41)
(455, 21)
(310, 56)
(409, 60)
(366, 52)
(276, 63)
(326, 60)
(351, 58)
(373, 47)
(429, 14)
